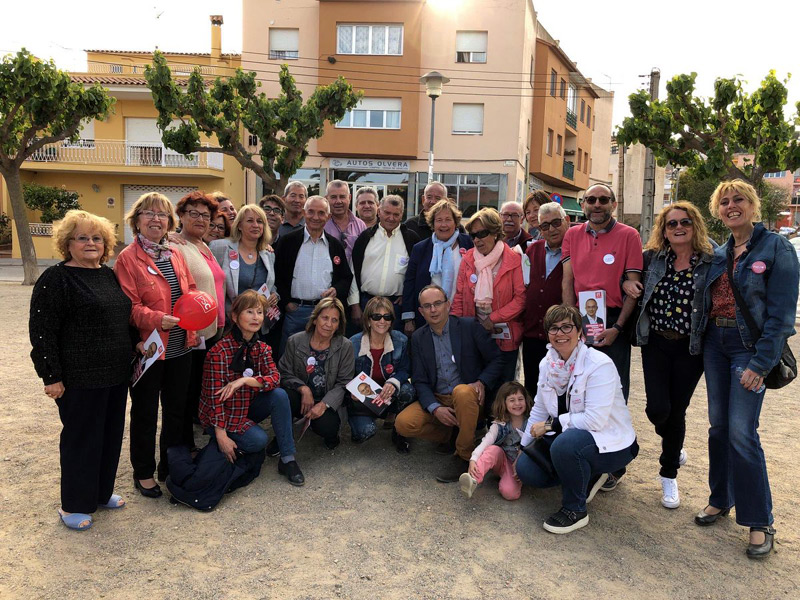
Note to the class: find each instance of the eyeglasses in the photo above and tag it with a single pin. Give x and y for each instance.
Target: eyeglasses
(431, 305)
(149, 214)
(565, 328)
(377, 317)
(506, 215)
(85, 239)
(685, 222)
(198, 215)
(547, 225)
(216, 227)
(479, 234)
(591, 200)
(277, 210)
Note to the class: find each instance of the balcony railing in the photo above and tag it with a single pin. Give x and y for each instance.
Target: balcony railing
(41, 229)
(569, 170)
(572, 119)
(124, 153)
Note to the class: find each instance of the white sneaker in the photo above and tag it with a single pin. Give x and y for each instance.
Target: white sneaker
(467, 484)
(670, 498)
(683, 457)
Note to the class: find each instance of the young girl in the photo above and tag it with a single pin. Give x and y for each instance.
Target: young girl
(500, 446)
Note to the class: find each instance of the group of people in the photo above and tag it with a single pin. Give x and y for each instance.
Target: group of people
(437, 312)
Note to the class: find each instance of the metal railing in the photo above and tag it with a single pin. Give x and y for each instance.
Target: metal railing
(128, 69)
(569, 170)
(118, 152)
(572, 119)
(41, 229)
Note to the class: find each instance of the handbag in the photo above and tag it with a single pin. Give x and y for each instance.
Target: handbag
(539, 452)
(785, 371)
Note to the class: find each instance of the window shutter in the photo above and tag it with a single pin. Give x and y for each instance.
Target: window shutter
(467, 118)
(286, 40)
(471, 41)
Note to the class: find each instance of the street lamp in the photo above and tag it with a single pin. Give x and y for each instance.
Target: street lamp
(433, 88)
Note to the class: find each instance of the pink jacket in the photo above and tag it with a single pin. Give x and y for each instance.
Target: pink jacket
(149, 291)
(508, 302)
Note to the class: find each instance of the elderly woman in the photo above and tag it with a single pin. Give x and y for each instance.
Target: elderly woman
(274, 208)
(154, 277)
(82, 352)
(245, 260)
(676, 261)
(316, 367)
(579, 419)
(382, 354)
(531, 208)
(749, 304)
(218, 229)
(490, 286)
(434, 260)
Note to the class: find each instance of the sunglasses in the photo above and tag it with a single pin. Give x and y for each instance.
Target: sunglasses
(592, 200)
(479, 234)
(377, 317)
(554, 223)
(685, 222)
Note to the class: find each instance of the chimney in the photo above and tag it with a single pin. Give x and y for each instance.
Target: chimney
(216, 37)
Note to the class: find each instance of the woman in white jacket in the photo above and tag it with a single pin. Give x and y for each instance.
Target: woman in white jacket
(581, 417)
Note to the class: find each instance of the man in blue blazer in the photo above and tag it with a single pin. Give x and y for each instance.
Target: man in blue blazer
(453, 362)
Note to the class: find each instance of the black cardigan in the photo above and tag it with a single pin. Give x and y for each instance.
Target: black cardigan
(360, 247)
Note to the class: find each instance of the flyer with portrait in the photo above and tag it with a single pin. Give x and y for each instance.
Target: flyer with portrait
(365, 390)
(592, 304)
(153, 349)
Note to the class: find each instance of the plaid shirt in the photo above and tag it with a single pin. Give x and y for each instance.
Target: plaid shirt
(231, 414)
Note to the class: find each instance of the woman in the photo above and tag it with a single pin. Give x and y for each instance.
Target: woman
(218, 229)
(240, 389)
(246, 262)
(434, 260)
(154, 277)
(315, 368)
(490, 286)
(531, 208)
(580, 412)
(737, 357)
(382, 354)
(274, 208)
(82, 351)
(676, 262)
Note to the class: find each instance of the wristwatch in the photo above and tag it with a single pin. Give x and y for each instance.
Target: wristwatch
(548, 425)
(617, 326)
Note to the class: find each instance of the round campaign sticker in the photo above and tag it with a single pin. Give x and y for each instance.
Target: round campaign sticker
(233, 254)
(389, 369)
(151, 270)
(463, 251)
(310, 369)
(759, 267)
(311, 361)
(337, 260)
(473, 278)
(248, 372)
(608, 259)
(234, 264)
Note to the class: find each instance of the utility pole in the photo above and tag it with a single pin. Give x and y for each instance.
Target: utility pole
(621, 183)
(649, 187)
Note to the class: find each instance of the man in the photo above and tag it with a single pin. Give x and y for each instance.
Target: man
(380, 256)
(515, 235)
(590, 318)
(310, 265)
(367, 205)
(274, 208)
(598, 256)
(294, 199)
(543, 263)
(226, 207)
(454, 362)
(434, 192)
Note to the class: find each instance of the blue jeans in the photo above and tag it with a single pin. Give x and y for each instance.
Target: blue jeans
(509, 360)
(294, 322)
(737, 470)
(273, 404)
(576, 459)
(362, 426)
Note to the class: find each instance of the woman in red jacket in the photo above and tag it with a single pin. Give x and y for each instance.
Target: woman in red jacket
(490, 286)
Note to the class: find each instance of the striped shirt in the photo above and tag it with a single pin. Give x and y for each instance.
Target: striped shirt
(176, 345)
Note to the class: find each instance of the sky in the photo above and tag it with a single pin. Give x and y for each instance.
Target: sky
(612, 41)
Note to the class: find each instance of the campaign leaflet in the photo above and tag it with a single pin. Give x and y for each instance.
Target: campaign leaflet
(592, 304)
(153, 349)
(365, 390)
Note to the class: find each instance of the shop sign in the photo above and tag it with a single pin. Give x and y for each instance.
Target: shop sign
(370, 164)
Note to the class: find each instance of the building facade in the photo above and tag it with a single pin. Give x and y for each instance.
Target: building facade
(629, 206)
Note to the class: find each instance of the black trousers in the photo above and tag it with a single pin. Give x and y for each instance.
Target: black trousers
(327, 426)
(670, 377)
(168, 378)
(91, 441)
(619, 352)
(533, 351)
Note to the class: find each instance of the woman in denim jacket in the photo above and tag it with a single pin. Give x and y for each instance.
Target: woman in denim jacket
(765, 273)
(383, 355)
(676, 261)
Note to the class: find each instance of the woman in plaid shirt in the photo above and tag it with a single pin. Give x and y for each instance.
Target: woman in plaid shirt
(241, 388)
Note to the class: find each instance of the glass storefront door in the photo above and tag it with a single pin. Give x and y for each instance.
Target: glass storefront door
(384, 183)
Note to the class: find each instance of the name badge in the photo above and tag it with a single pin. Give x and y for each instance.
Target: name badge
(609, 259)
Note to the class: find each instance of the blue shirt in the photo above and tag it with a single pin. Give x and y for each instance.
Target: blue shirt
(447, 375)
(551, 259)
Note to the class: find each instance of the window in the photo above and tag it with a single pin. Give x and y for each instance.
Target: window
(559, 142)
(589, 116)
(532, 74)
(580, 156)
(116, 68)
(373, 113)
(572, 98)
(284, 44)
(553, 76)
(370, 39)
(471, 46)
(468, 119)
(774, 175)
(86, 136)
(586, 164)
(583, 110)
(471, 191)
(563, 93)
(548, 148)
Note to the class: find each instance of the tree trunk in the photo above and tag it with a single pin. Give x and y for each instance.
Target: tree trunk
(30, 269)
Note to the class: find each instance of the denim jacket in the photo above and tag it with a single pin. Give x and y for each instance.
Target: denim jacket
(655, 266)
(770, 295)
(395, 361)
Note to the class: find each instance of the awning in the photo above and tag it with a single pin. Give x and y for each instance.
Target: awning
(571, 206)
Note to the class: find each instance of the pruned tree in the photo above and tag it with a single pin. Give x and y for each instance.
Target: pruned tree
(704, 135)
(39, 105)
(774, 200)
(231, 107)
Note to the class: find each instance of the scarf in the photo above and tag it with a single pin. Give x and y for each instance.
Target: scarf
(241, 358)
(558, 370)
(484, 265)
(156, 251)
(442, 261)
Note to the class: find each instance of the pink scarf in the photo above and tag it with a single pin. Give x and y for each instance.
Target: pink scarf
(484, 266)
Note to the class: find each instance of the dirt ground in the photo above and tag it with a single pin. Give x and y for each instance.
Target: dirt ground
(371, 523)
